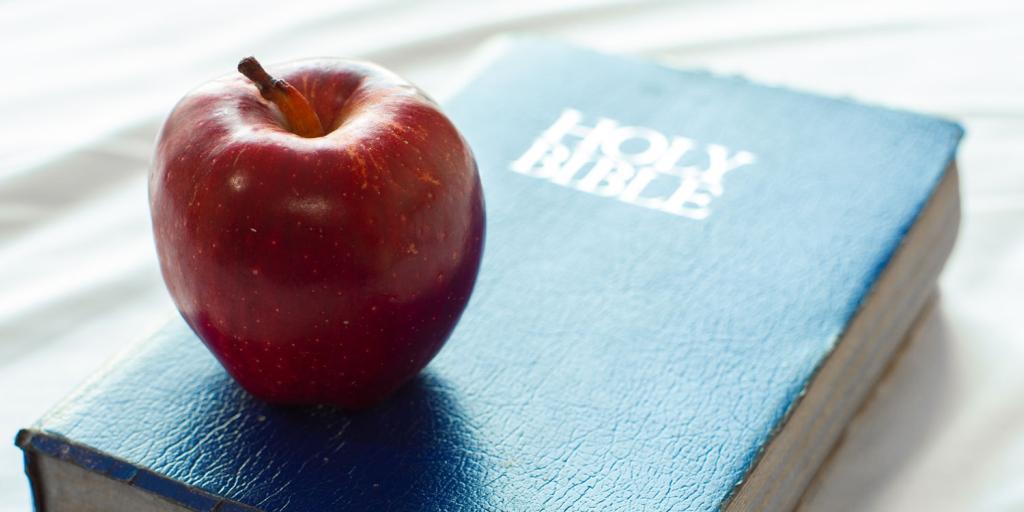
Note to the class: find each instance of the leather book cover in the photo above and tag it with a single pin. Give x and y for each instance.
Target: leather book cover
(670, 257)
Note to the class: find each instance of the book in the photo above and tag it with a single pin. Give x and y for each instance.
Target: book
(690, 283)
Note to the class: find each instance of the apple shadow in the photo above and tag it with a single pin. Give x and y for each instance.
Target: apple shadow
(415, 451)
(895, 423)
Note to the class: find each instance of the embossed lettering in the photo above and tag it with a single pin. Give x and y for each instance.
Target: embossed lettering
(636, 165)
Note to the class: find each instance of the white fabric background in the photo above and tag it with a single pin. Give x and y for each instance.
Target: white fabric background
(85, 85)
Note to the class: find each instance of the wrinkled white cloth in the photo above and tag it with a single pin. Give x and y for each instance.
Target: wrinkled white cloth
(85, 86)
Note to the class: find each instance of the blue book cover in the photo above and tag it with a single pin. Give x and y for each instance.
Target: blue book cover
(682, 272)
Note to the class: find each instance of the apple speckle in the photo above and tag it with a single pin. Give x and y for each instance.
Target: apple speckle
(237, 182)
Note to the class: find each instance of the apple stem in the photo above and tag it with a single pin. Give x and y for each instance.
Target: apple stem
(298, 113)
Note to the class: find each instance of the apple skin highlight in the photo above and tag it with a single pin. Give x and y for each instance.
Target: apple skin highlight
(324, 269)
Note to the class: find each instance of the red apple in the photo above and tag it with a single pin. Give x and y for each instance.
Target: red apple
(320, 231)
